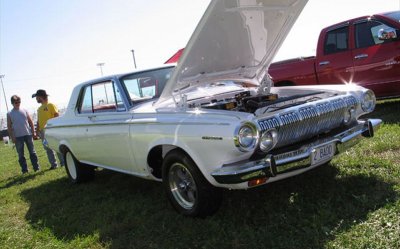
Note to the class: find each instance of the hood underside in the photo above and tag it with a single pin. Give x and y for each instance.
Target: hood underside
(235, 40)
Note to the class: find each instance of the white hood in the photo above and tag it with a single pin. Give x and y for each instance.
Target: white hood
(235, 40)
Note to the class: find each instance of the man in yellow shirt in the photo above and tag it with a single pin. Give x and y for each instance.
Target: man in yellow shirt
(45, 112)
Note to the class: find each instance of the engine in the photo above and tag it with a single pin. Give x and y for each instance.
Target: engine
(243, 101)
(238, 97)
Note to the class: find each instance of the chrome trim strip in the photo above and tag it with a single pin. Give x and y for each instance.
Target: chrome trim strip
(133, 123)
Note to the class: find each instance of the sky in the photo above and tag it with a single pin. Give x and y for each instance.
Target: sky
(57, 44)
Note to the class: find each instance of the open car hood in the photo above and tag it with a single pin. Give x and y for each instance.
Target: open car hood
(234, 40)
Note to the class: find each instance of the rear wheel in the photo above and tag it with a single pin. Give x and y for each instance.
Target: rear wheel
(187, 189)
(76, 171)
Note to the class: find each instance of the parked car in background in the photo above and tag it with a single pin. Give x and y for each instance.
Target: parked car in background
(364, 50)
(214, 120)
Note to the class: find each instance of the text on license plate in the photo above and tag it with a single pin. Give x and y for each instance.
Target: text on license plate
(323, 153)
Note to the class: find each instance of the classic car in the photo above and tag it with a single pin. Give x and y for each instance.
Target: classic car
(212, 121)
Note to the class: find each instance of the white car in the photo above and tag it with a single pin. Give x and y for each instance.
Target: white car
(214, 120)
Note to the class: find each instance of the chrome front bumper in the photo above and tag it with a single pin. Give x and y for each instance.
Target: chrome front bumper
(295, 161)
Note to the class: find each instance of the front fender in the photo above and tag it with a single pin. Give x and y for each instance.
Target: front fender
(209, 148)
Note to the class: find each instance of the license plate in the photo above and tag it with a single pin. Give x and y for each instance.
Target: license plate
(323, 153)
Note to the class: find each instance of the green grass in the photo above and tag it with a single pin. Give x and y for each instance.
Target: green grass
(351, 203)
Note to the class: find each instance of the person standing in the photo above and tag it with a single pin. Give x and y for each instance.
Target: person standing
(45, 112)
(22, 131)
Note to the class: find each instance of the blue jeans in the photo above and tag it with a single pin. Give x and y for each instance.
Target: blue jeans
(19, 145)
(51, 155)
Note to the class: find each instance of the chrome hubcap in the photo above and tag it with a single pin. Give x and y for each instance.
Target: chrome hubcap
(182, 185)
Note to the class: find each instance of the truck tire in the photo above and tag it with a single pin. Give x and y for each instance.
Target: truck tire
(186, 188)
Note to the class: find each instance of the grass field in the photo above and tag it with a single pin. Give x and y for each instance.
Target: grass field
(351, 203)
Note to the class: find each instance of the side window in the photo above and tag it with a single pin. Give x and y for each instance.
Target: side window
(366, 33)
(107, 97)
(86, 105)
(102, 97)
(336, 40)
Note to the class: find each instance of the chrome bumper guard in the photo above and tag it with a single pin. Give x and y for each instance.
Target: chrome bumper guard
(273, 165)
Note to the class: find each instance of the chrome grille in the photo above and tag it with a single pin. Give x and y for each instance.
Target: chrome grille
(308, 120)
(269, 123)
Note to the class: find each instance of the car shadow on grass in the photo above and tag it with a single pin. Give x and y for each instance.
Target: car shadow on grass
(305, 211)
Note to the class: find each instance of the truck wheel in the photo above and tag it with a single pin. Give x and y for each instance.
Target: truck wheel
(76, 171)
(187, 189)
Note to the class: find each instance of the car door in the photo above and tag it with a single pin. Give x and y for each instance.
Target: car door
(107, 135)
(376, 62)
(334, 63)
(78, 140)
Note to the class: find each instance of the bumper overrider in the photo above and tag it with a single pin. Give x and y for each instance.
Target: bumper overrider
(285, 163)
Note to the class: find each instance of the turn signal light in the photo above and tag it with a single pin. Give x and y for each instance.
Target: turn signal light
(257, 182)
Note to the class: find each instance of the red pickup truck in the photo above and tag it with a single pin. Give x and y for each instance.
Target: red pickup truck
(364, 50)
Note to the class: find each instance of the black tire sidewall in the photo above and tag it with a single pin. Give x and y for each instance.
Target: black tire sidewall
(206, 193)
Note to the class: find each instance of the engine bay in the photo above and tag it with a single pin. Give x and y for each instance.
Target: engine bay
(243, 101)
(249, 101)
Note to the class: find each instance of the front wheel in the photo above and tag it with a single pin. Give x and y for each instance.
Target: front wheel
(76, 171)
(187, 189)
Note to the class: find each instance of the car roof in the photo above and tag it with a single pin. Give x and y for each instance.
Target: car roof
(118, 76)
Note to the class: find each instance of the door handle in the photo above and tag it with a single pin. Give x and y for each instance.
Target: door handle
(360, 56)
(323, 63)
(92, 117)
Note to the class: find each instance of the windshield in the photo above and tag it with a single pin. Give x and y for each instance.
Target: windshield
(394, 15)
(146, 85)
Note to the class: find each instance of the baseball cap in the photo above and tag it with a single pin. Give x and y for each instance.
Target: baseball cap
(40, 93)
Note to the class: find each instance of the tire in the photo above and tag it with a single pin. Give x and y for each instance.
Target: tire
(186, 188)
(77, 172)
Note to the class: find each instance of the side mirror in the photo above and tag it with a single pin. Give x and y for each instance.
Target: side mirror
(387, 34)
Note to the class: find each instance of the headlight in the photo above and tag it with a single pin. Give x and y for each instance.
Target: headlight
(246, 137)
(349, 115)
(268, 140)
(368, 101)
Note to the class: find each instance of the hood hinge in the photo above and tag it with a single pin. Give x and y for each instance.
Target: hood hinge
(265, 85)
